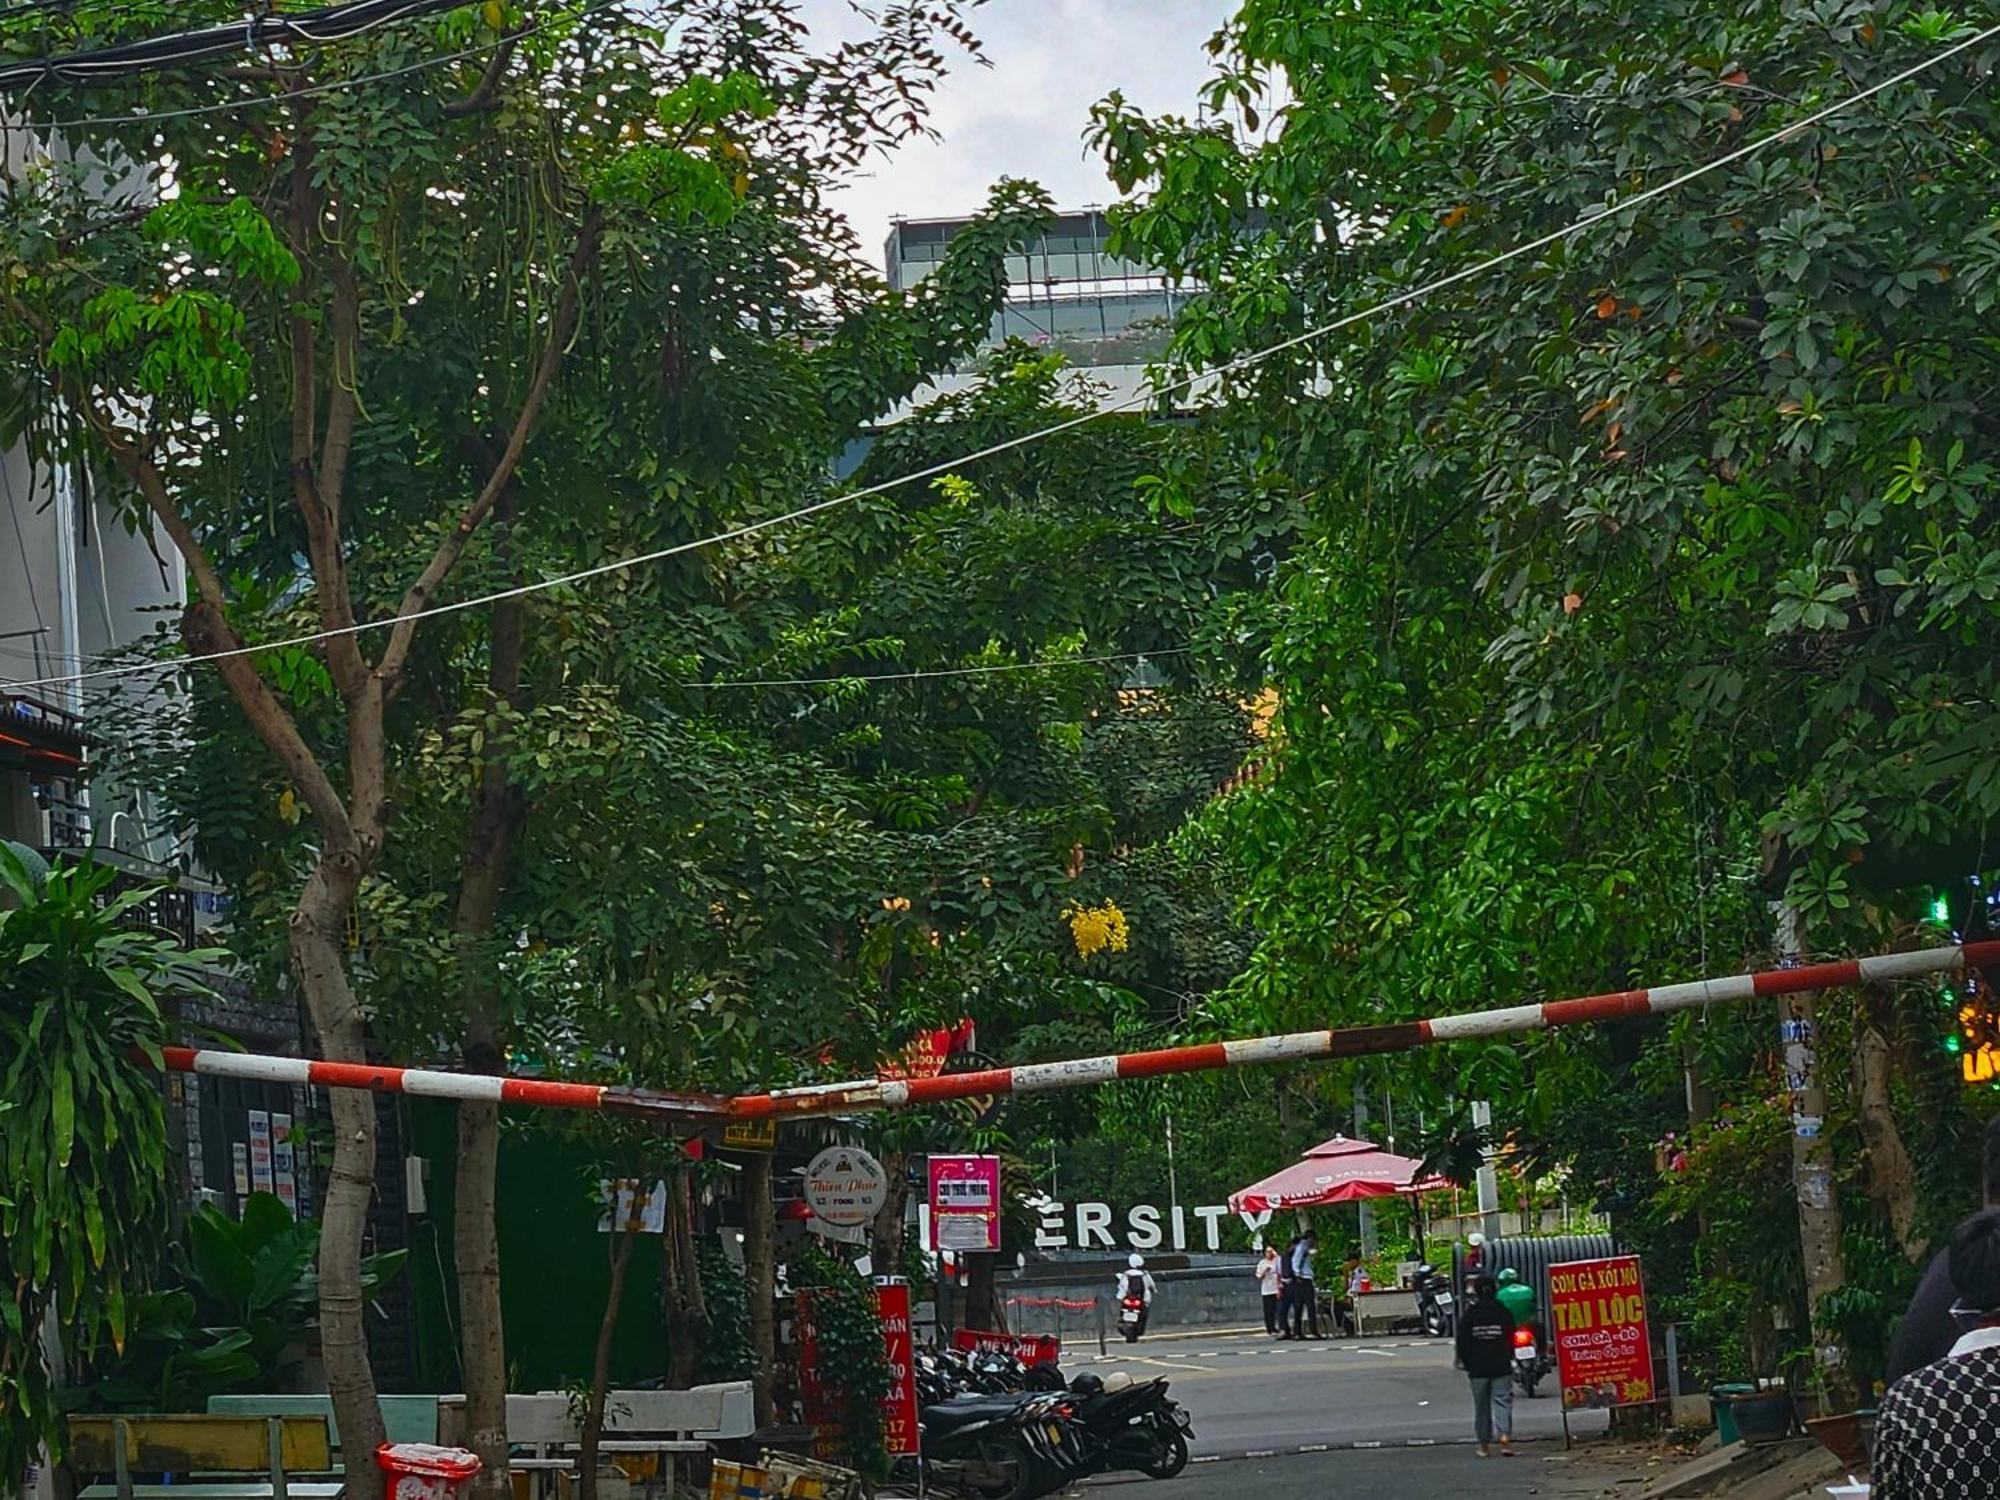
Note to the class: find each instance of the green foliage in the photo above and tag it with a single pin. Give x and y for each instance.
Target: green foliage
(726, 1354)
(83, 1158)
(854, 1367)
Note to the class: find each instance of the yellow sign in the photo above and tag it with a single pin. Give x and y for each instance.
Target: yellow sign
(750, 1135)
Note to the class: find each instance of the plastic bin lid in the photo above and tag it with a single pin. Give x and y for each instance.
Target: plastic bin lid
(427, 1459)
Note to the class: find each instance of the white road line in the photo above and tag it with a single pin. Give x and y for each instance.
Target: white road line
(1377, 1353)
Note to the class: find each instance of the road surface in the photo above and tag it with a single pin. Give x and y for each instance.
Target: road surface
(1250, 1396)
(1541, 1470)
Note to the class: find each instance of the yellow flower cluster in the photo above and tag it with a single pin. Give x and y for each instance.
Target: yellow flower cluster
(1096, 928)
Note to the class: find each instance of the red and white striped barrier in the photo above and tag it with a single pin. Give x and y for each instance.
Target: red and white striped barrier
(430, 1083)
(861, 1095)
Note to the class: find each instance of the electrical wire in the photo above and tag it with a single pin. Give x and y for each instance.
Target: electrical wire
(922, 675)
(312, 91)
(335, 23)
(1144, 396)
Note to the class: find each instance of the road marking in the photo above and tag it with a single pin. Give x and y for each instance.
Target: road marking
(1210, 1354)
(1378, 1353)
(1260, 1452)
(1315, 1447)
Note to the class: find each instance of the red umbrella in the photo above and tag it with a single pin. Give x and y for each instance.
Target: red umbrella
(1337, 1171)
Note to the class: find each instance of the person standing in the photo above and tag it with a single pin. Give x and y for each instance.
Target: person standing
(1305, 1303)
(1934, 1434)
(1486, 1350)
(1268, 1276)
(1927, 1331)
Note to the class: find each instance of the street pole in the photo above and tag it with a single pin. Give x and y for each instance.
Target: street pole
(1489, 1183)
(1371, 1243)
(1173, 1180)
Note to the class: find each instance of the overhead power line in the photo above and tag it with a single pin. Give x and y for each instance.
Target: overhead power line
(311, 91)
(1144, 396)
(982, 670)
(128, 59)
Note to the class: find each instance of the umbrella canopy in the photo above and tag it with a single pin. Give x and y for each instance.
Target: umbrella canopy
(1337, 1171)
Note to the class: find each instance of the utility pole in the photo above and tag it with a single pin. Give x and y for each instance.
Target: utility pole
(1812, 1154)
(1173, 1180)
(1489, 1184)
(1371, 1242)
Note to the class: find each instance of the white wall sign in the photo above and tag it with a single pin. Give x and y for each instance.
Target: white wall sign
(845, 1187)
(1092, 1226)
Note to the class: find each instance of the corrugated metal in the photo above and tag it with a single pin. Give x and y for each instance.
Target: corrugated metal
(1532, 1255)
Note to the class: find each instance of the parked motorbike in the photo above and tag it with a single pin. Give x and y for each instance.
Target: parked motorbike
(1531, 1360)
(1134, 1427)
(1000, 1447)
(1437, 1308)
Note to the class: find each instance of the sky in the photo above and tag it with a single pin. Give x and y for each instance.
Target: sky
(1024, 115)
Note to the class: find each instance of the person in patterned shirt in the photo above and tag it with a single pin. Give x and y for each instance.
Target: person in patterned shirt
(1936, 1436)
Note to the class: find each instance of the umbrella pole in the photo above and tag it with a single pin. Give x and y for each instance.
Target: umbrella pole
(1417, 1203)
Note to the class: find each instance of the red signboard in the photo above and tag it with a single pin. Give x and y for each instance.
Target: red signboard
(1597, 1316)
(899, 1407)
(1028, 1348)
(965, 1204)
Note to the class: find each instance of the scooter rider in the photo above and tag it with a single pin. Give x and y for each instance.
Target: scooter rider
(1516, 1295)
(1136, 1281)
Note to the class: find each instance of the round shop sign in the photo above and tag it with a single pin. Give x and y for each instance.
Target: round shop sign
(845, 1187)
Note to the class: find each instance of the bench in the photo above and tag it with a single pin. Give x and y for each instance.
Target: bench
(665, 1424)
(1386, 1308)
(405, 1419)
(274, 1446)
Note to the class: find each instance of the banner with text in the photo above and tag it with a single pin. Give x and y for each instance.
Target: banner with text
(1597, 1316)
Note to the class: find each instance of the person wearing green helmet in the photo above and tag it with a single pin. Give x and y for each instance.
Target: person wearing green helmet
(1515, 1294)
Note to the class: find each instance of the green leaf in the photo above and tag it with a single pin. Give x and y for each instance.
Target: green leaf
(62, 1111)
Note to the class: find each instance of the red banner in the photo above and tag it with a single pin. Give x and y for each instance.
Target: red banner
(899, 1407)
(1028, 1348)
(1597, 1316)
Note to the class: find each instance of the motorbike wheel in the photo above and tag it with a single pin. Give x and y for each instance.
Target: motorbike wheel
(1011, 1458)
(1528, 1384)
(1433, 1321)
(1132, 1335)
(1168, 1459)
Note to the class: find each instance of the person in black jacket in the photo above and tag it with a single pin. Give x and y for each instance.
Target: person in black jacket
(1928, 1329)
(1486, 1350)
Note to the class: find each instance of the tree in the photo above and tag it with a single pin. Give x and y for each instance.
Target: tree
(370, 281)
(1647, 577)
(85, 993)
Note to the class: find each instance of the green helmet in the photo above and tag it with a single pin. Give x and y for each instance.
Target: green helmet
(1508, 1276)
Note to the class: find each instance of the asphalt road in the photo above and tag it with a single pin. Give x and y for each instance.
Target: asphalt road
(1449, 1473)
(1251, 1397)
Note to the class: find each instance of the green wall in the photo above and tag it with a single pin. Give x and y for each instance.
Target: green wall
(555, 1268)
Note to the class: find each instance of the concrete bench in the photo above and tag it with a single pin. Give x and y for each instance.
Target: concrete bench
(406, 1419)
(275, 1447)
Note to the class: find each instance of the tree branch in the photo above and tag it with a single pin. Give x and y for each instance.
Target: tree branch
(318, 501)
(486, 95)
(419, 594)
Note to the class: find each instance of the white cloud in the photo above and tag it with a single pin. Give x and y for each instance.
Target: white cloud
(1024, 116)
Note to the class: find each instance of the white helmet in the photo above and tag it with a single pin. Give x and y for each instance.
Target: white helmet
(1135, 1260)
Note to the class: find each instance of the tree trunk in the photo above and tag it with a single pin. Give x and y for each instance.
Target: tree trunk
(318, 928)
(1892, 1176)
(760, 1276)
(885, 1235)
(622, 1241)
(1818, 1195)
(687, 1308)
(982, 1296)
(490, 837)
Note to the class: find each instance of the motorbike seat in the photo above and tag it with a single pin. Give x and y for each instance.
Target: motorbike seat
(963, 1411)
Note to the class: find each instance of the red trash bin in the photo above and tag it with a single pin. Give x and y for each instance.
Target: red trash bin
(424, 1471)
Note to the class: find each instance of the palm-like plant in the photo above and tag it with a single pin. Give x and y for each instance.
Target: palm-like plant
(84, 1180)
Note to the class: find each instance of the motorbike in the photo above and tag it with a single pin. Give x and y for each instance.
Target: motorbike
(1437, 1309)
(1132, 1318)
(1531, 1361)
(981, 1439)
(1135, 1428)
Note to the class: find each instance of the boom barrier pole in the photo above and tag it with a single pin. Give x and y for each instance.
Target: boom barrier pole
(862, 1095)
